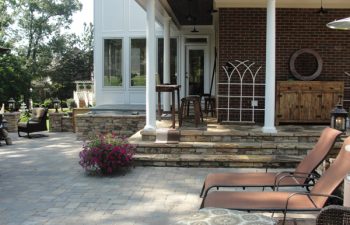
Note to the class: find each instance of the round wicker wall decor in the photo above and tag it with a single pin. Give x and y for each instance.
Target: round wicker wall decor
(300, 76)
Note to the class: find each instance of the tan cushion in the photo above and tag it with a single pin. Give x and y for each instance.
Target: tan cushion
(22, 124)
(37, 114)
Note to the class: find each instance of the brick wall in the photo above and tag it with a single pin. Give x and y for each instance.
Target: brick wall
(242, 36)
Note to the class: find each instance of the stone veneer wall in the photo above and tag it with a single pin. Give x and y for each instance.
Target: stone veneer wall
(60, 123)
(12, 120)
(67, 124)
(88, 125)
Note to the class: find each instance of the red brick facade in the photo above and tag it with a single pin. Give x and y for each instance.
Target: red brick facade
(242, 36)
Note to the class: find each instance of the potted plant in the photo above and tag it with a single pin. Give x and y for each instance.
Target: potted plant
(106, 154)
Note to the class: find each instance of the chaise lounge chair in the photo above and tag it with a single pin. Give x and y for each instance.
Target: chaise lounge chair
(287, 201)
(302, 175)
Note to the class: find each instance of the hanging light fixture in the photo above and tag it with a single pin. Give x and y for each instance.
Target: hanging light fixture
(194, 26)
(322, 11)
(343, 24)
(189, 16)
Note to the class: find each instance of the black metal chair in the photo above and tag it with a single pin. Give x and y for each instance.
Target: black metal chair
(334, 215)
(36, 123)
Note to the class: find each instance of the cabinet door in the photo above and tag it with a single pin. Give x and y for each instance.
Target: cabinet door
(288, 106)
(329, 101)
(310, 106)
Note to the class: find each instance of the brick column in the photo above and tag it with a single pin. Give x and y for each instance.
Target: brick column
(56, 122)
(12, 119)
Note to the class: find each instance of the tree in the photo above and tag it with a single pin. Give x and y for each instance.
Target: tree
(5, 18)
(14, 79)
(38, 22)
(72, 60)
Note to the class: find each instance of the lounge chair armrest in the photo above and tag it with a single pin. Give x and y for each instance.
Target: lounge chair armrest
(309, 195)
(278, 180)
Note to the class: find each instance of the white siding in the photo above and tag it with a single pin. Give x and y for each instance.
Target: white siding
(123, 19)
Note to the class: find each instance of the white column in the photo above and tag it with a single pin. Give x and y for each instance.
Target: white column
(270, 74)
(166, 63)
(150, 67)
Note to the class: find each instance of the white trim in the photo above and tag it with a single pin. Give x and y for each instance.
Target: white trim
(122, 87)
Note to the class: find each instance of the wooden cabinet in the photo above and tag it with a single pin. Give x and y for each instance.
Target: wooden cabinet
(307, 101)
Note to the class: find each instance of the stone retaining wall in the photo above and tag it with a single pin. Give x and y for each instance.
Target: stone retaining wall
(12, 120)
(88, 125)
(60, 123)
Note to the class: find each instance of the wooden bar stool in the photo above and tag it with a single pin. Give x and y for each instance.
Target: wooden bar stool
(209, 104)
(185, 108)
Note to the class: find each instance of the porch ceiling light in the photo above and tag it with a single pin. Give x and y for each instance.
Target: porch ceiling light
(343, 24)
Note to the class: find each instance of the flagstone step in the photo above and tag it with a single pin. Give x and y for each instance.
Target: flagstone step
(235, 136)
(224, 148)
(193, 160)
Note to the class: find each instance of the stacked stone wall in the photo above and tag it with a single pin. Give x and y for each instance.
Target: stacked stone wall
(12, 120)
(88, 125)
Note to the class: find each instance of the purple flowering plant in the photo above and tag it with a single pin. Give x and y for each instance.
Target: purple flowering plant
(106, 154)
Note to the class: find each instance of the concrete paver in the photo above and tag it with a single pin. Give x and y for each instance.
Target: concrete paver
(41, 182)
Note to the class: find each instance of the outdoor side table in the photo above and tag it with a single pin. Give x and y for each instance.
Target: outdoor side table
(169, 88)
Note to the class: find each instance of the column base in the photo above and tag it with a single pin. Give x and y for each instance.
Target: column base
(271, 130)
(149, 128)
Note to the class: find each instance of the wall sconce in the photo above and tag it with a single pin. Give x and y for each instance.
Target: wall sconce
(11, 103)
(338, 118)
(56, 104)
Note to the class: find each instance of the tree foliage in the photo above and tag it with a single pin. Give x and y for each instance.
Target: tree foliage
(42, 58)
(73, 60)
(14, 79)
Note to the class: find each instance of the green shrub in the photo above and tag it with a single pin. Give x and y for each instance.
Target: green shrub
(48, 103)
(64, 104)
(71, 103)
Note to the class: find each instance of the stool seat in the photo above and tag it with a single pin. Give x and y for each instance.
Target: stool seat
(185, 108)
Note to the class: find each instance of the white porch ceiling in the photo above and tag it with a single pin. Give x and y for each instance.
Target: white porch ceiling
(282, 3)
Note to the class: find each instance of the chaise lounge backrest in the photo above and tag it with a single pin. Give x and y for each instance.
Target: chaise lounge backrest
(319, 152)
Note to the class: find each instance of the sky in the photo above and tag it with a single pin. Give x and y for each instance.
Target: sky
(85, 15)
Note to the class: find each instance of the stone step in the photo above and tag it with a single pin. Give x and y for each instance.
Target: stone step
(236, 136)
(236, 161)
(262, 150)
(203, 148)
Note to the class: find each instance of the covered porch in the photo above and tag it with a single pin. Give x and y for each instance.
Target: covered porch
(261, 33)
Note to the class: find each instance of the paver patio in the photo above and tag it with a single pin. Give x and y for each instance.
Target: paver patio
(41, 182)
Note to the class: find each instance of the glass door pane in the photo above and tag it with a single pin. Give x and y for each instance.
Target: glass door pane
(196, 71)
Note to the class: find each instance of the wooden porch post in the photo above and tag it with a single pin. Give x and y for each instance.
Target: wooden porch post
(150, 67)
(269, 122)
